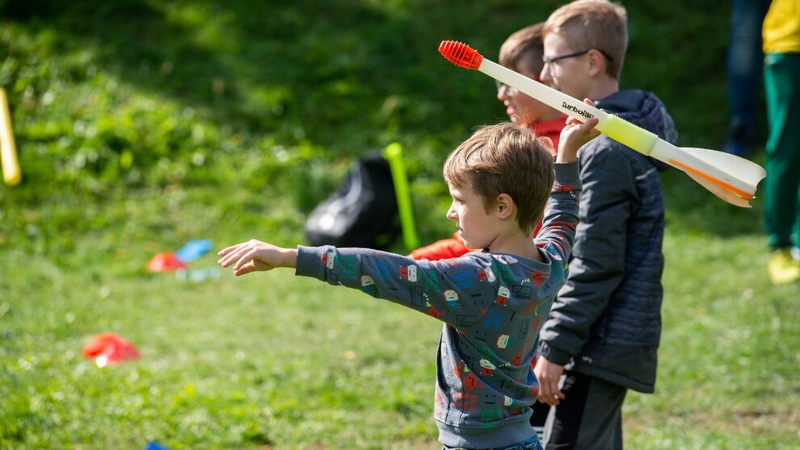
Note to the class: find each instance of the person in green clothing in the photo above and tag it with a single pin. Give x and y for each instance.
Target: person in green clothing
(781, 41)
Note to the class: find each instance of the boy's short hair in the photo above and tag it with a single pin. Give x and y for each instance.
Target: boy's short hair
(524, 49)
(504, 158)
(598, 24)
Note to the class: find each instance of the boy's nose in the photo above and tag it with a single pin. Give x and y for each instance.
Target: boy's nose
(546, 76)
(504, 92)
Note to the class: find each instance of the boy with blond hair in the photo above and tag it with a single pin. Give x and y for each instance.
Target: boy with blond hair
(501, 181)
(602, 334)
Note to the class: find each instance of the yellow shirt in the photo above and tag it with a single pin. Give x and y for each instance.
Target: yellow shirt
(781, 29)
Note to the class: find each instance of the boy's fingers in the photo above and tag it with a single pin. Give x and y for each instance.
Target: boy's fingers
(234, 254)
(245, 269)
(556, 397)
(227, 258)
(227, 250)
(244, 258)
(590, 123)
(226, 253)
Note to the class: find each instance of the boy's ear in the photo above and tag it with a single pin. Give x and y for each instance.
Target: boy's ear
(505, 206)
(597, 62)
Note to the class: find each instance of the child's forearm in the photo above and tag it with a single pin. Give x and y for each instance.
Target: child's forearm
(290, 258)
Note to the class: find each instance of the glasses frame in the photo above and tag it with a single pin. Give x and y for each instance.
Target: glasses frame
(550, 61)
(511, 90)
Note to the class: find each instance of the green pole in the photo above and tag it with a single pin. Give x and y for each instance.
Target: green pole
(394, 154)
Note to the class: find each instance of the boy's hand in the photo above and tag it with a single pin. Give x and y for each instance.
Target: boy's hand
(253, 255)
(574, 135)
(549, 376)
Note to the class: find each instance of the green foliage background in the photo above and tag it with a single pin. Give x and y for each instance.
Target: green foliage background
(281, 96)
(142, 124)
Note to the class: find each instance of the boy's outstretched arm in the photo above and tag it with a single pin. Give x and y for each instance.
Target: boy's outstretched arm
(574, 135)
(253, 256)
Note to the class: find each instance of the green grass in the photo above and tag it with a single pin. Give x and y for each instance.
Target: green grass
(292, 363)
(214, 373)
(142, 125)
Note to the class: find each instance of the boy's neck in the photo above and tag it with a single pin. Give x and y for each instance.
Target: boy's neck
(602, 88)
(518, 244)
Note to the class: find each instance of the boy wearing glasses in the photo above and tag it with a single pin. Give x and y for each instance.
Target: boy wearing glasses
(602, 334)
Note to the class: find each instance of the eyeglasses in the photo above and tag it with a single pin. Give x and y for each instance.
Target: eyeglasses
(511, 91)
(550, 61)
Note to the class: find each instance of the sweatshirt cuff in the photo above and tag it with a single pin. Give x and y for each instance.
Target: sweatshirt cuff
(308, 261)
(553, 355)
(566, 174)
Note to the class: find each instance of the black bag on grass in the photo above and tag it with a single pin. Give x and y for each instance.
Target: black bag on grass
(362, 213)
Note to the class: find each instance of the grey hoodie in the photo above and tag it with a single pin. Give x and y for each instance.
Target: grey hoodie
(606, 320)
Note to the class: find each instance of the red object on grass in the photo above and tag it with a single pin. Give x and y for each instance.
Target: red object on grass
(108, 348)
(165, 262)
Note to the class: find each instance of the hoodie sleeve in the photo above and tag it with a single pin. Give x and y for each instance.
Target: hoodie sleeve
(597, 266)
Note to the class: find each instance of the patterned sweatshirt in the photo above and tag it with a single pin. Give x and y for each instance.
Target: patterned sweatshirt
(492, 306)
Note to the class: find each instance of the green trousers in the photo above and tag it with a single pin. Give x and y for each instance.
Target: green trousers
(782, 185)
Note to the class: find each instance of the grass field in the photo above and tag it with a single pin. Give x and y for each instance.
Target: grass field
(277, 362)
(142, 125)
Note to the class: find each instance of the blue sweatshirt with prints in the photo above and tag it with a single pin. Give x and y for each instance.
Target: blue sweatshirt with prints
(492, 306)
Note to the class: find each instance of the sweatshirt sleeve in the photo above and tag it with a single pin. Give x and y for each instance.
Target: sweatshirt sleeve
(444, 289)
(561, 214)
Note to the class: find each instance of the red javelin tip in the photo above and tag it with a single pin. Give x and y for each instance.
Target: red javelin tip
(460, 54)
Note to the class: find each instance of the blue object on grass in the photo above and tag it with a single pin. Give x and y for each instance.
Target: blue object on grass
(154, 446)
(193, 250)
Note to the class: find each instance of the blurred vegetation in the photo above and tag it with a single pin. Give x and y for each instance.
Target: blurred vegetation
(279, 97)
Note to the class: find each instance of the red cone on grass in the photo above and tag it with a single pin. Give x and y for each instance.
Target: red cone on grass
(108, 348)
(165, 262)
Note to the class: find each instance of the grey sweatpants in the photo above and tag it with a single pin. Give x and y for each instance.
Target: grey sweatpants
(590, 417)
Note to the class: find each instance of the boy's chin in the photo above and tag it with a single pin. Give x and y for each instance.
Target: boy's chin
(469, 244)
